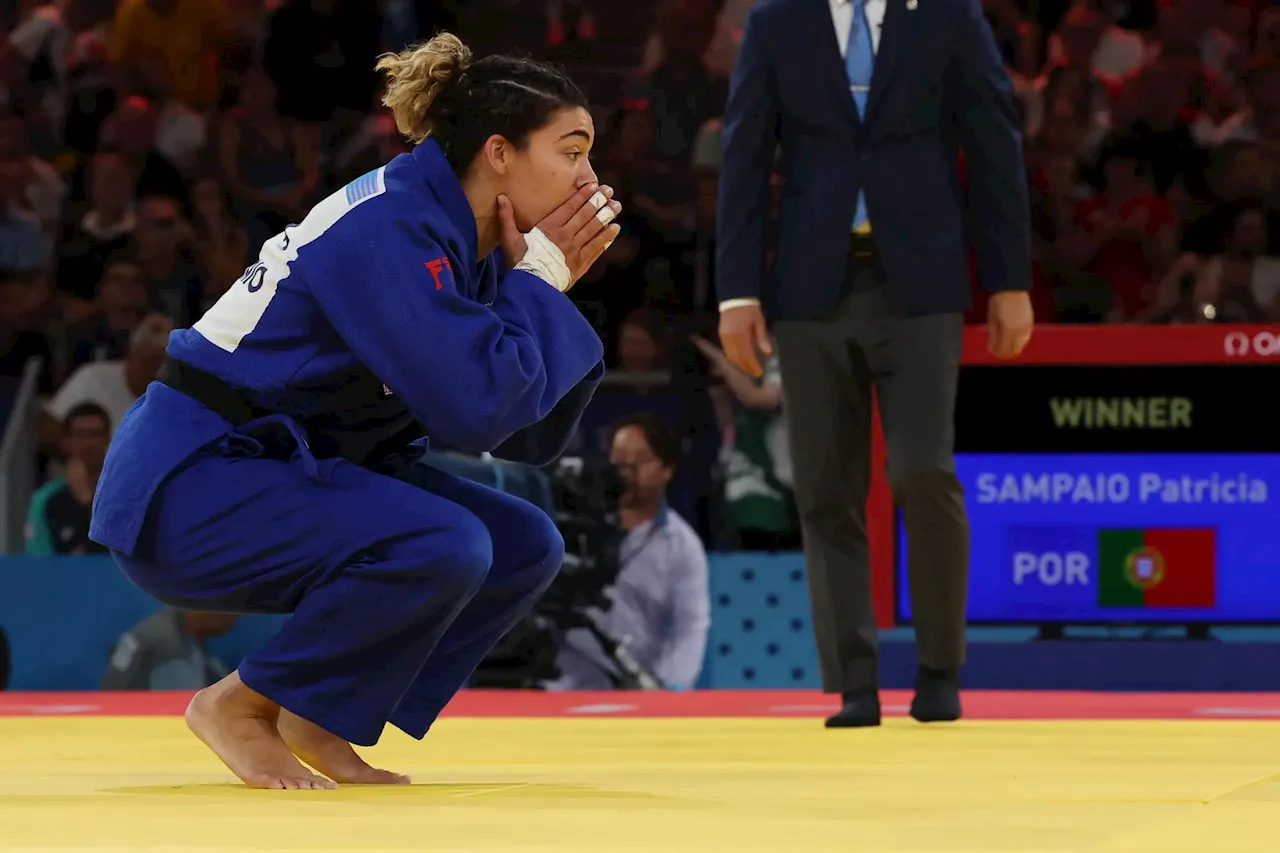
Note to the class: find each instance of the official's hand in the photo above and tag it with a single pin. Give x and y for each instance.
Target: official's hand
(743, 332)
(575, 227)
(1010, 321)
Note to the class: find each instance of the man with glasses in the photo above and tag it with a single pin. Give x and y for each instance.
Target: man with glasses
(660, 609)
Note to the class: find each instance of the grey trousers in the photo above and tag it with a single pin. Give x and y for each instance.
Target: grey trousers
(829, 368)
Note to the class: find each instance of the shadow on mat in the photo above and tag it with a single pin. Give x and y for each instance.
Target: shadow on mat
(452, 794)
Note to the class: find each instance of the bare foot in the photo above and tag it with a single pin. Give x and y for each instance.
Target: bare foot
(330, 754)
(239, 725)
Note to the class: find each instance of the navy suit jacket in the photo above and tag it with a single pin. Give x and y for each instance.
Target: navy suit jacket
(939, 88)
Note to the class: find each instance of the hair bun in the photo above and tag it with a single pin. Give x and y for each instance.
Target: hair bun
(415, 78)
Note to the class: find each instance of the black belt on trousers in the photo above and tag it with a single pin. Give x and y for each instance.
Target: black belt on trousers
(217, 395)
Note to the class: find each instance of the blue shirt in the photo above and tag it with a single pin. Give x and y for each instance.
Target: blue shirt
(381, 276)
(661, 609)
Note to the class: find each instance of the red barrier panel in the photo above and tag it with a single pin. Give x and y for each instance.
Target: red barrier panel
(1067, 345)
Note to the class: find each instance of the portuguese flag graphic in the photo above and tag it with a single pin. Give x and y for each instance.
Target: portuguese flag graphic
(1170, 567)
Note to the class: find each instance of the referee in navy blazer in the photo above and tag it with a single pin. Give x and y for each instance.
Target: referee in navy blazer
(871, 102)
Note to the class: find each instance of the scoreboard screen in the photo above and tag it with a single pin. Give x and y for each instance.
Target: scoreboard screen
(1118, 493)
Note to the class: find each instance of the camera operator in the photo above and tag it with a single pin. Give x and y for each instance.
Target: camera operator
(660, 609)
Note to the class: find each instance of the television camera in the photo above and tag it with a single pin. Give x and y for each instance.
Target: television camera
(586, 495)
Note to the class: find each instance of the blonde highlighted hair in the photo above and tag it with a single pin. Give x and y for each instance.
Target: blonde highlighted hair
(415, 77)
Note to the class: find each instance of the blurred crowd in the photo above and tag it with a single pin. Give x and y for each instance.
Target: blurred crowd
(149, 147)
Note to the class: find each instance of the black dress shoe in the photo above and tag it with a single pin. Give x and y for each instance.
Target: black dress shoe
(860, 710)
(937, 698)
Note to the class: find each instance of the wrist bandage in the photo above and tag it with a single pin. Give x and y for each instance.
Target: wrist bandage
(545, 260)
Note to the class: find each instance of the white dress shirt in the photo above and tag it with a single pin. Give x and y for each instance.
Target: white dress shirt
(842, 20)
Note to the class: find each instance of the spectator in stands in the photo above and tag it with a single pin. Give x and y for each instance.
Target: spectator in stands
(1071, 85)
(1267, 37)
(107, 228)
(22, 336)
(1062, 135)
(627, 163)
(270, 162)
(375, 142)
(1241, 173)
(659, 208)
(115, 385)
(58, 517)
(33, 62)
(1159, 107)
(1060, 292)
(1216, 49)
(720, 54)
(642, 342)
(1258, 118)
(1129, 233)
(569, 17)
(167, 651)
(242, 47)
(660, 601)
(321, 55)
(221, 243)
(134, 131)
(1016, 37)
(92, 97)
(1177, 305)
(693, 266)
(757, 478)
(1119, 51)
(120, 305)
(45, 190)
(24, 244)
(1239, 283)
(174, 284)
(170, 48)
(33, 193)
(681, 93)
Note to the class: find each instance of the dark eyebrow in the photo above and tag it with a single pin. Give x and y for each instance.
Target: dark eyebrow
(581, 133)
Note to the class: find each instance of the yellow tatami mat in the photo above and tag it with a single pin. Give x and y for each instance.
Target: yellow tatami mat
(135, 784)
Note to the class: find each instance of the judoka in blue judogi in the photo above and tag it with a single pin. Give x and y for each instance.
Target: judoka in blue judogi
(273, 468)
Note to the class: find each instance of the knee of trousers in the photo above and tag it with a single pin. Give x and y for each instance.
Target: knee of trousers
(544, 544)
(925, 480)
(457, 555)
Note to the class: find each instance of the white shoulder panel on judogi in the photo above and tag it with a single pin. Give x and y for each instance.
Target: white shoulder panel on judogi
(238, 311)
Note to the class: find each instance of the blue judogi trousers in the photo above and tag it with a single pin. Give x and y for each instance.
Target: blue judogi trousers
(399, 586)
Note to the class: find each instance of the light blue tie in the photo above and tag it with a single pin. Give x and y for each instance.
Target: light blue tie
(859, 62)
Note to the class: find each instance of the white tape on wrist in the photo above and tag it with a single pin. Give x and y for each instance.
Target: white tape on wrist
(545, 260)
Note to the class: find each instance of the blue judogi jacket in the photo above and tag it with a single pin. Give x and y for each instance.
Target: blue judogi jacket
(375, 299)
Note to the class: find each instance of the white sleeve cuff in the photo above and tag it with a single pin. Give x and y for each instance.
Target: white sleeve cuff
(737, 303)
(545, 260)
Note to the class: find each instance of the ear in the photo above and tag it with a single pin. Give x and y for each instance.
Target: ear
(667, 475)
(498, 152)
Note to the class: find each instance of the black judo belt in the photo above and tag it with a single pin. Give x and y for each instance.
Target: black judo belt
(355, 418)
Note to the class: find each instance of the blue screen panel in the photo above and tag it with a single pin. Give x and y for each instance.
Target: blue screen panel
(1035, 521)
